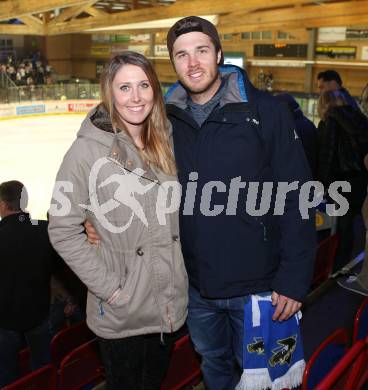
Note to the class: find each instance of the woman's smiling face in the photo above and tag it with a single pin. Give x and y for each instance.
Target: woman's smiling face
(133, 95)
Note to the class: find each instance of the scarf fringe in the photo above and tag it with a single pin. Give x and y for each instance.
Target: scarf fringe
(293, 378)
(254, 379)
(259, 378)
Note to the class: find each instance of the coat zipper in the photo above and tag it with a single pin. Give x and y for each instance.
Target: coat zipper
(169, 318)
(264, 230)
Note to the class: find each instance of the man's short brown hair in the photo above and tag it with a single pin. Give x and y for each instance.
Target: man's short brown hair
(14, 194)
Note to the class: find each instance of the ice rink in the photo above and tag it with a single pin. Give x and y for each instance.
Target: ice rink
(31, 151)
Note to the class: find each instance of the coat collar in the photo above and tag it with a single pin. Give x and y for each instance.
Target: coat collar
(237, 88)
(15, 218)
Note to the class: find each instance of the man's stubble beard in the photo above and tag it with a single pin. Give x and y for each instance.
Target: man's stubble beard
(202, 90)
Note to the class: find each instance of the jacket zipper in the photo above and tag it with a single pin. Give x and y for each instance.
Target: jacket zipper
(264, 230)
(169, 318)
(101, 309)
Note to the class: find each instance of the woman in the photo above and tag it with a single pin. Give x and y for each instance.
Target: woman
(340, 158)
(112, 176)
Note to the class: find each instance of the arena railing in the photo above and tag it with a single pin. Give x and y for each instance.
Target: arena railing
(27, 93)
(81, 91)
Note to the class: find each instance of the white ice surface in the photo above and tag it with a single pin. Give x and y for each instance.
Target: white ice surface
(31, 151)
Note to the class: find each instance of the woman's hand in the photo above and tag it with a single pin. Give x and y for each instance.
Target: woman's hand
(92, 236)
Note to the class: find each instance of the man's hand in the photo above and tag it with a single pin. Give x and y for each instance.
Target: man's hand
(69, 309)
(92, 236)
(285, 307)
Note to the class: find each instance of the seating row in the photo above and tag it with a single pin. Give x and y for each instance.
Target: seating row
(75, 363)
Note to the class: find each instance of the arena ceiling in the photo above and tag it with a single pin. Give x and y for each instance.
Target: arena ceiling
(54, 17)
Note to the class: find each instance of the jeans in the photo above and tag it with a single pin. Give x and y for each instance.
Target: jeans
(216, 327)
(11, 342)
(137, 362)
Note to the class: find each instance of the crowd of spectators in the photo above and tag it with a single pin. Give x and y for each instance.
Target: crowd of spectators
(29, 71)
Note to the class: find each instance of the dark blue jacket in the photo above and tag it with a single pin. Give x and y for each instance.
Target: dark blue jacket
(26, 257)
(250, 136)
(309, 137)
(305, 129)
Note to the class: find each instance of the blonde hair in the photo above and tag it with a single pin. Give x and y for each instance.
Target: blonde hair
(155, 135)
(328, 100)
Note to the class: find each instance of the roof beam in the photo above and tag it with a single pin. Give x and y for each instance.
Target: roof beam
(72, 12)
(324, 11)
(18, 29)
(95, 12)
(179, 9)
(14, 8)
(31, 20)
(34, 23)
(344, 20)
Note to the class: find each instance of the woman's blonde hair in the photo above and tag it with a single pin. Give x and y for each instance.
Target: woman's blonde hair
(155, 135)
(329, 99)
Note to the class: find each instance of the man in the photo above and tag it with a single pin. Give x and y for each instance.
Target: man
(330, 80)
(225, 130)
(26, 255)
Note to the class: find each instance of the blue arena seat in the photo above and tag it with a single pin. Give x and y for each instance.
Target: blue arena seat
(349, 371)
(326, 356)
(360, 331)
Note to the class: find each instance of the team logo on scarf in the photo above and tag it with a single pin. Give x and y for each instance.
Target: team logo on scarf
(284, 353)
(256, 347)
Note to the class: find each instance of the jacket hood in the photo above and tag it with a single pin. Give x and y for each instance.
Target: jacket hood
(236, 88)
(97, 126)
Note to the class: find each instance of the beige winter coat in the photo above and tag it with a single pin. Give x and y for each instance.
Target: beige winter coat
(145, 259)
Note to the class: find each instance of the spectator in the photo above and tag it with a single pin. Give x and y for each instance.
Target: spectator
(342, 144)
(26, 262)
(25, 73)
(305, 129)
(225, 128)
(137, 283)
(330, 80)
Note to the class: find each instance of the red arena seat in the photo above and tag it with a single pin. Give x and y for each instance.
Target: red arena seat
(324, 259)
(68, 339)
(184, 369)
(24, 361)
(42, 379)
(81, 367)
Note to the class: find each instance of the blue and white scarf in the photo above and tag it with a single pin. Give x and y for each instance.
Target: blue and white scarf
(272, 352)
